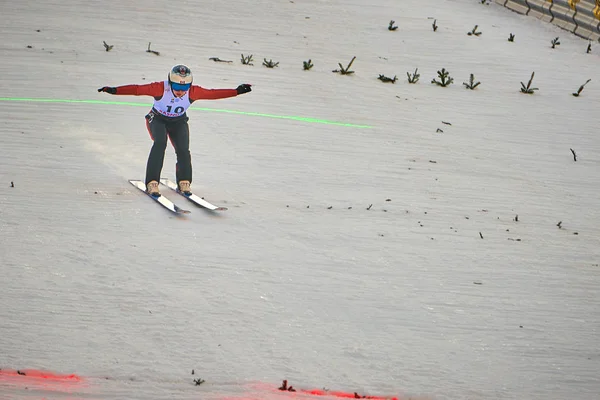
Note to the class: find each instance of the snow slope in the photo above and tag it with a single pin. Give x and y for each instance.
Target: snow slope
(385, 258)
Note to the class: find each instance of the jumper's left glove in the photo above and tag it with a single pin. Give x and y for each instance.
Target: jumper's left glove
(243, 88)
(108, 89)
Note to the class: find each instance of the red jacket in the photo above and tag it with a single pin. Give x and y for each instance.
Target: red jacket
(156, 89)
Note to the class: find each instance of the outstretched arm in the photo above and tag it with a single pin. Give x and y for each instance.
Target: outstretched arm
(154, 89)
(200, 93)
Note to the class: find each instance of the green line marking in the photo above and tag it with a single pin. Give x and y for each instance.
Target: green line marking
(254, 114)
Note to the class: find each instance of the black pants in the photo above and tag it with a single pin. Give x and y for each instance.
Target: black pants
(178, 132)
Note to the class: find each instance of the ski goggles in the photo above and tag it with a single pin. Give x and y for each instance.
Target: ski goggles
(178, 86)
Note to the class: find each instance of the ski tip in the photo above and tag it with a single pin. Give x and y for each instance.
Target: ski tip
(180, 210)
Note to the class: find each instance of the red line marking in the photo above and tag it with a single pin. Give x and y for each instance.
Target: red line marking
(38, 374)
(345, 395)
(317, 392)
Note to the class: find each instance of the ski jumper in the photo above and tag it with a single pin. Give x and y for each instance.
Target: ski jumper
(168, 118)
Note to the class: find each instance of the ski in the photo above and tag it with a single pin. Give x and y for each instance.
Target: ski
(194, 198)
(162, 200)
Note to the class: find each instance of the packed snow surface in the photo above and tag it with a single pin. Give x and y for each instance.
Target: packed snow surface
(390, 239)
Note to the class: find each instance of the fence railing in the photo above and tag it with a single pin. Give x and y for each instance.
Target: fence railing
(582, 17)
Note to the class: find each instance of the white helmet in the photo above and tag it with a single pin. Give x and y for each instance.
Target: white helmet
(180, 77)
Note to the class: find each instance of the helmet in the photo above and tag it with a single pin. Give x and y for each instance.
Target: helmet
(180, 77)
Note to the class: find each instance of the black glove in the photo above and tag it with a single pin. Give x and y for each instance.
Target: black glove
(243, 88)
(107, 89)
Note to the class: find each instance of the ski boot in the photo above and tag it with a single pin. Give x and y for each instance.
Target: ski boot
(184, 187)
(152, 189)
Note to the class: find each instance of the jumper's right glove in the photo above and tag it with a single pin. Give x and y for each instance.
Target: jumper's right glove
(243, 88)
(108, 89)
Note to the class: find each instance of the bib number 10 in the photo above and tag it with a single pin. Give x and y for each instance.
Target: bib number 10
(178, 109)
